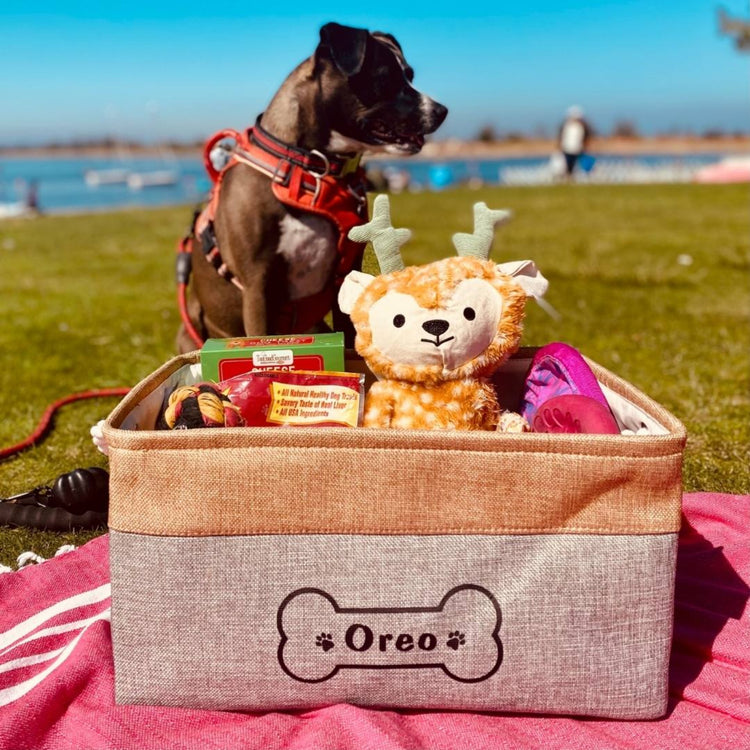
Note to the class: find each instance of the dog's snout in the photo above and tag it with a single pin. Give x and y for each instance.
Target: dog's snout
(433, 114)
(436, 327)
(439, 114)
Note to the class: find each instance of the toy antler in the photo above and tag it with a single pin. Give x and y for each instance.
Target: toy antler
(386, 241)
(479, 243)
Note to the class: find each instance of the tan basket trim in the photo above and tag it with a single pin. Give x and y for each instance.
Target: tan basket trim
(360, 491)
(334, 481)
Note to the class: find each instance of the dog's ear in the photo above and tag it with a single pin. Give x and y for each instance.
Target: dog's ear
(388, 38)
(347, 46)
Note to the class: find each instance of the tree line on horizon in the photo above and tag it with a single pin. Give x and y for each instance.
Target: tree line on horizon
(622, 129)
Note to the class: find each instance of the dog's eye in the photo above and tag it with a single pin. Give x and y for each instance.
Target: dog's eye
(385, 83)
(399, 320)
(469, 313)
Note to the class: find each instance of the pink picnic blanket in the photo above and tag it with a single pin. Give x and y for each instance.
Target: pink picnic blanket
(57, 676)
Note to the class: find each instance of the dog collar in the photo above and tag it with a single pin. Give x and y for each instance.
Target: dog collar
(312, 160)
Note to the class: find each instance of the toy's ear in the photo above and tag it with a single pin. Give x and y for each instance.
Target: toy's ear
(527, 275)
(352, 287)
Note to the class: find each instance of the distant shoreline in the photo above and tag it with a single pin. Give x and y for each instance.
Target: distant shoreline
(447, 149)
(614, 146)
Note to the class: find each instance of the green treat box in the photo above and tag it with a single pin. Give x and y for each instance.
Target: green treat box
(222, 359)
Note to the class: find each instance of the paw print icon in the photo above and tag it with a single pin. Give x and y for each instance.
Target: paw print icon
(456, 639)
(324, 641)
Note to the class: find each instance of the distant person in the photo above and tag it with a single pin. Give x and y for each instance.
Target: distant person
(573, 138)
(32, 197)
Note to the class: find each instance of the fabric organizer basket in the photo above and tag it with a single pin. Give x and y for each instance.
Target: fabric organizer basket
(270, 569)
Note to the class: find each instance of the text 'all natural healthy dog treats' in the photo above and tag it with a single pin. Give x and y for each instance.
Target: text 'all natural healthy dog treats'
(298, 399)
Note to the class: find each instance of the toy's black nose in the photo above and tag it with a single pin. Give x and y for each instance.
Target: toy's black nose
(436, 327)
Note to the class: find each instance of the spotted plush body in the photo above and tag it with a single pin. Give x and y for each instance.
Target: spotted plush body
(453, 405)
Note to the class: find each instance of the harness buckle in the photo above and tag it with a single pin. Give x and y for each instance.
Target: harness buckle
(276, 176)
(326, 165)
(359, 196)
(318, 176)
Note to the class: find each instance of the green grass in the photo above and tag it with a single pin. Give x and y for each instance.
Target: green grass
(88, 302)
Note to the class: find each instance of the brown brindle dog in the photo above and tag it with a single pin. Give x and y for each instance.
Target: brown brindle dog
(353, 94)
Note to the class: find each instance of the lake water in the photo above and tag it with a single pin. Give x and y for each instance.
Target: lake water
(62, 186)
(61, 183)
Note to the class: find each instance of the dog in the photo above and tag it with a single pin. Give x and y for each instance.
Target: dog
(354, 94)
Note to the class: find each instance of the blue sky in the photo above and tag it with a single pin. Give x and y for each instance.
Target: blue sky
(181, 70)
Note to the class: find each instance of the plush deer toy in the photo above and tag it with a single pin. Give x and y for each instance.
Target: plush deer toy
(434, 334)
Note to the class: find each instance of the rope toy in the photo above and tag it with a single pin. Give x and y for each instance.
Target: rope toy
(200, 405)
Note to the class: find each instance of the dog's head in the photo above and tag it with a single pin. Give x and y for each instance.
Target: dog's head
(368, 86)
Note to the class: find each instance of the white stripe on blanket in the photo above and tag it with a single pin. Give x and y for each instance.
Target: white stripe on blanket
(79, 600)
(27, 661)
(56, 630)
(14, 692)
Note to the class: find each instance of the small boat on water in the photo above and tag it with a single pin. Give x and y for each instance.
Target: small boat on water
(13, 210)
(729, 169)
(158, 178)
(97, 177)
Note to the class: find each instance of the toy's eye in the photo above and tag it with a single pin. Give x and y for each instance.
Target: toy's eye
(399, 320)
(469, 313)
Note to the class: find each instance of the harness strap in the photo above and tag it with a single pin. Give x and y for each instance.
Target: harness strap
(211, 250)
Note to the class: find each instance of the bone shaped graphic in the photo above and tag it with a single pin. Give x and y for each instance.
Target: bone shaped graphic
(460, 636)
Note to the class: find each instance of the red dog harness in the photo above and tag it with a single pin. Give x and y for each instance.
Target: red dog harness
(310, 181)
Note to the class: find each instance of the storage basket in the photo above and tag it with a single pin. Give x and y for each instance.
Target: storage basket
(290, 568)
